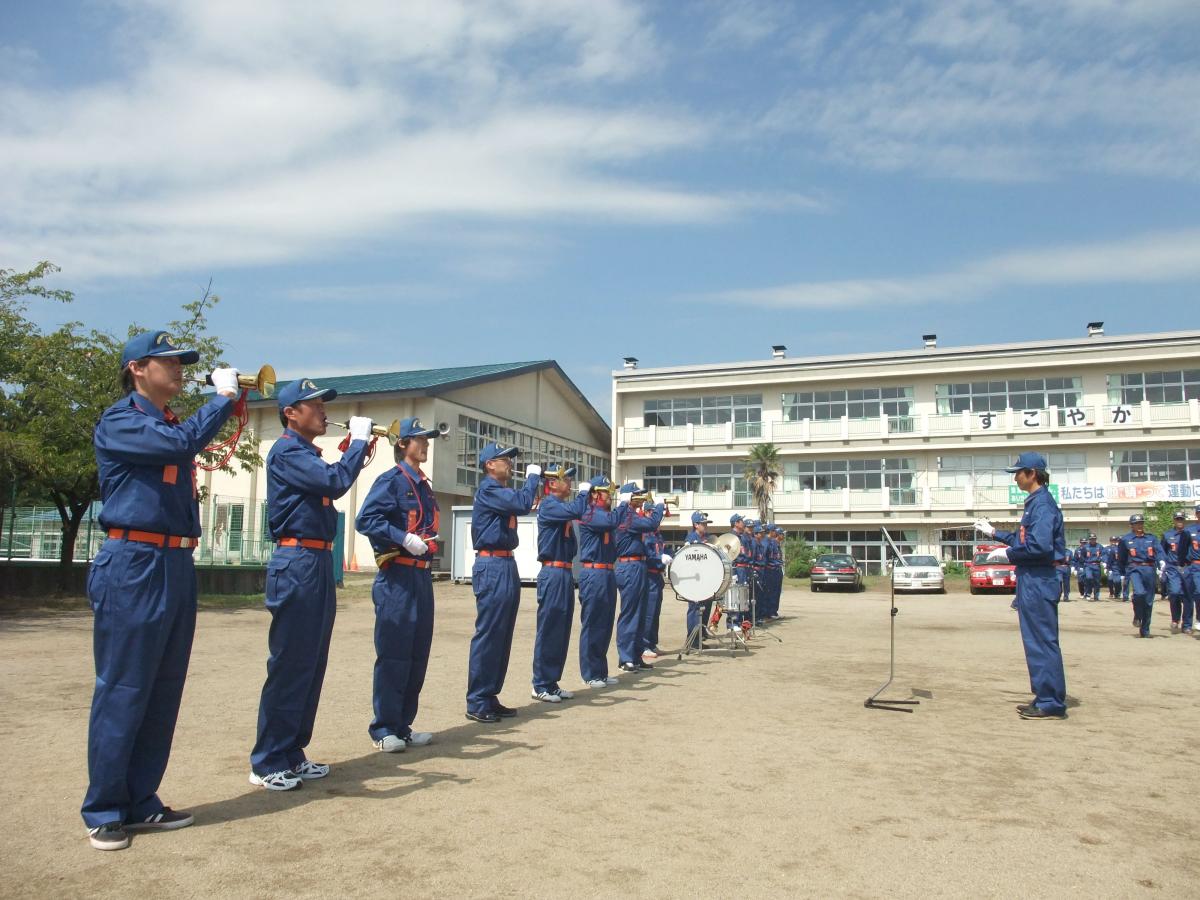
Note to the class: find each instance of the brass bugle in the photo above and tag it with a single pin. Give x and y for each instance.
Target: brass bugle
(391, 432)
(263, 382)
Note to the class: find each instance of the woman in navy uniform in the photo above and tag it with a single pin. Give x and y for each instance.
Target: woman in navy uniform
(597, 583)
(494, 578)
(401, 519)
(301, 598)
(556, 581)
(1034, 549)
(142, 585)
(1138, 555)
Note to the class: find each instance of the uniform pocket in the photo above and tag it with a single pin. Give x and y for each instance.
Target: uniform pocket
(275, 568)
(97, 579)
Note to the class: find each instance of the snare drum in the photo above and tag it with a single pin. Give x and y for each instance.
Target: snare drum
(699, 573)
(737, 598)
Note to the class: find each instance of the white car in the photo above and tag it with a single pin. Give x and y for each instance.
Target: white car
(920, 573)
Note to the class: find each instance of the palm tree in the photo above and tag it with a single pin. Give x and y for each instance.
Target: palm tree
(762, 471)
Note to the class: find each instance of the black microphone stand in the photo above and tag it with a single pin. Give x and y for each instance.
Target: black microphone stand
(872, 702)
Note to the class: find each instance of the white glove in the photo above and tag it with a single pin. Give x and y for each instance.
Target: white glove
(1000, 554)
(360, 428)
(1162, 565)
(666, 558)
(532, 469)
(983, 526)
(225, 381)
(624, 498)
(414, 544)
(585, 487)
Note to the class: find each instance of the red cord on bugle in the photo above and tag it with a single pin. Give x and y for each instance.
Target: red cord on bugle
(229, 445)
(344, 445)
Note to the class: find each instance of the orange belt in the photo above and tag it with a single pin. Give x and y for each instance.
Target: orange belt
(555, 564)
(500, 553)
(597, 565)
(152, 537)
(741, 565)
(310, 543)
(405, 561)
(631, 559)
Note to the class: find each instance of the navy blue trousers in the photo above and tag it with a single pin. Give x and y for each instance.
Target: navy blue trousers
(556, 611)
(1064, 582)
(597, 607)
(1142, 581)
(497, 587)
(774, 590)
(403, 598)
(1037, 610)
(302, 603)
(650, 616)
(631, 579)
(1179, 595)
(144, 600)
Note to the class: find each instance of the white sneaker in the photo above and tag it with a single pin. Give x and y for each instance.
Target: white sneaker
(598, 682)
(611, 680)
(286, 780)
(565, 694)
(649, 653)
(311, 771)
(389, 743)
(546, 697)
(420, 738)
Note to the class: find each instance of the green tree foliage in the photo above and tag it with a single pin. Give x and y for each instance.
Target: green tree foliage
(1160, 516)
(762, 473)
(54, 386)
(799, 556)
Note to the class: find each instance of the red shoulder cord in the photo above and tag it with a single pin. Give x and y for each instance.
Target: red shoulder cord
(229, 445)
(345, 445)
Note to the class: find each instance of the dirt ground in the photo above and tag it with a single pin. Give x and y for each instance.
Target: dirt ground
(762, 775)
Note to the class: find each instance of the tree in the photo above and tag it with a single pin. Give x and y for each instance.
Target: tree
(762, 472)
(1160, 517)
(56, 386)
(801, 555)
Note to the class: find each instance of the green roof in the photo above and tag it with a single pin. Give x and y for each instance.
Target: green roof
(425, 379)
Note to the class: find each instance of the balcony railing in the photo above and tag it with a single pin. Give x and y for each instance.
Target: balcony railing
(1101, 419)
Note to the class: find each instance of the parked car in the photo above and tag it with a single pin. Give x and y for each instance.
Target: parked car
(920, 573)
(836, 570)
(986, 576)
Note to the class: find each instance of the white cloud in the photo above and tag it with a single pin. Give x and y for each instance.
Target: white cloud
(1152, 258)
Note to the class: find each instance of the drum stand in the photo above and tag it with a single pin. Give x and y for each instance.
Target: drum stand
(695, 638)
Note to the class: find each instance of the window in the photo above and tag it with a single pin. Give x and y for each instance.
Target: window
(741, 409)
(1156, 465)
(854, 403)
(958, 543)
(707, 478)
(987, 470)
(1015, 393)
(1157, 387)
(474, 433)
(855, 474)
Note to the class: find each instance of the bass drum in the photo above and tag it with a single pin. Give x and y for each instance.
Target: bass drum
(699, 573)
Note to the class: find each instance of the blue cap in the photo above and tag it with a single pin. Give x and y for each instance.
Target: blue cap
(412, 427)
(492, 450)
(700, 518)
(1136, 518)
(1179, 514)
(303, 389)
(734, 519)
(155, 343)
(758, 529)
(1029, 460)
(558, 470)
(601, 483)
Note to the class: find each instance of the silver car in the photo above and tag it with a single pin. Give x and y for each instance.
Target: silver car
(920, 573)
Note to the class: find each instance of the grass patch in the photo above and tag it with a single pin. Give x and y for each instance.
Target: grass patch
(230, 601)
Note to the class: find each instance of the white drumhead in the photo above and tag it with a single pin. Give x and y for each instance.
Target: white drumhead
(699, 573)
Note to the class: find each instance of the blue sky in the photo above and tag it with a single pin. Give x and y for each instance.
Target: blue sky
(377, 185)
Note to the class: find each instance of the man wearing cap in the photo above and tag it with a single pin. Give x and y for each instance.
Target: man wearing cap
(1092, 554)
(657, 560)
(556, 582)
(698, 613)
(1190, 557)
(401, 519)
(774, 572)
(142, 585)
(1173, 566)
(301, 488)
(1110, 568)
(597, 583)
(1138, 556)
(631, 574)
(494, 577)
(1033, 549)
(1062, 566)
(743, 565)
(1080, 569)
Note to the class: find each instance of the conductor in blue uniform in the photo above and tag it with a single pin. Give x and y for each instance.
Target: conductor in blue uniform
(301, 598)
(1034, 549)
(631, 574)
(401, 519)
(556, 582)
(142, 585)
(494, 577)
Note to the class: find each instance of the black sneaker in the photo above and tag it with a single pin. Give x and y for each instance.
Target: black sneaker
(1036, 712)
(628, 667)
(488, 718)
(166, 820)
(504, 712)
(644, 665)
(109, 836)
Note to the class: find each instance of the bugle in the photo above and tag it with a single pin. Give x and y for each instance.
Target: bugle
(391, 432)
(263, 382)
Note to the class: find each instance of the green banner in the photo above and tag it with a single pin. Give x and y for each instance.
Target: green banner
(1016, 496)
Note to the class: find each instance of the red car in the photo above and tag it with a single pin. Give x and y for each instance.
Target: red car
(986, 576)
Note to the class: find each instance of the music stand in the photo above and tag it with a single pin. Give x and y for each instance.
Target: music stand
(872, 702)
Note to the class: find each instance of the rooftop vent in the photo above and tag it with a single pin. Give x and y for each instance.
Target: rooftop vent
(778, 351)
(631, 362)
(1095, 329)
(930, 341)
